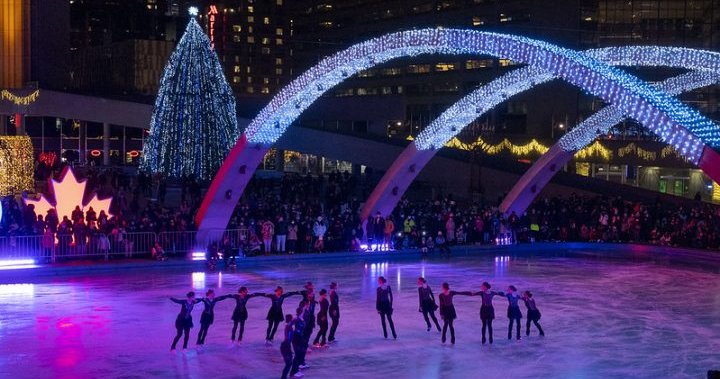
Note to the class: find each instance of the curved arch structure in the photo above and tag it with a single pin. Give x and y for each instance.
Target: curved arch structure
(682, 127)
(540, 173)
(391, 187)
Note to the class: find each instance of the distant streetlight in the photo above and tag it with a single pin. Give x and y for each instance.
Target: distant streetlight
(193, 11)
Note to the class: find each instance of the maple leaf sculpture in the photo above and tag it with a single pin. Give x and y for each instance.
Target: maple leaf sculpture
(68, 193)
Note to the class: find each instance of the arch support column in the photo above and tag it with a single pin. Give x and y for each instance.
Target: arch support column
(227, 187)
(534, 179)
(396, 181)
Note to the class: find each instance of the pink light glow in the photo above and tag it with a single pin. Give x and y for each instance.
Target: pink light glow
(68, 193)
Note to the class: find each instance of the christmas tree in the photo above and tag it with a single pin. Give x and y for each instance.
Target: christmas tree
(193, 124)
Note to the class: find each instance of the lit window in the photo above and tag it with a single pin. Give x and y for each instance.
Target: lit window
(251, 9)
(237, 38)
(278, 61)
(278, 41)
(237, 59)
(236, 69)
(478, 21)
(237, 28)
(266, 80)
(251, 18)
(249, 79)
(265, 90)
(250, 89)
(278, 71)
(266, 51)
(279, 2)
(266, 20)
(265, 40)
(444, 67)
(248, 69)
(251, 39)
(250, 29)
(279, 31)
(326, 24)
(505, 62)
(236, 79)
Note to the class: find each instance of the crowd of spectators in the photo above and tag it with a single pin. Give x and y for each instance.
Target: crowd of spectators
(303, 213)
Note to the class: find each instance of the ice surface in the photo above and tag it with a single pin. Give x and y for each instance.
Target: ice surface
(609, 319)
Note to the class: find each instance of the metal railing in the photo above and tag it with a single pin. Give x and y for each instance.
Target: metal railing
(47, 248)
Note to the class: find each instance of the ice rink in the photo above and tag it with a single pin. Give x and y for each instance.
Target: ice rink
(602, 318)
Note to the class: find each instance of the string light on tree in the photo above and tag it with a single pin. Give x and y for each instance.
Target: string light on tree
(194, 123)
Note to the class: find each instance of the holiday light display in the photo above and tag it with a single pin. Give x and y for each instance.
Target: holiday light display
(16, 165)
(487, 97)
(20, 100)
(675, 123)
(68, 193)
(194, 123)
(601, 122)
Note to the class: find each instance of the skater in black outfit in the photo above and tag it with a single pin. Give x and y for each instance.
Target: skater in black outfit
(427, 303)
(183, 322)
(322, 320)
(309, 317)
(384, 305)
(298, 343)
(447, 310)
(285, 346)
(513, 313)
(309, 288)
(275, 313)
(208, 315)
(334, 311)
(533, 313)
(240, 314)
(487, 311)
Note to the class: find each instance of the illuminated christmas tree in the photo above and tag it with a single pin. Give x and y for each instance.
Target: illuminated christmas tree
(194, 124)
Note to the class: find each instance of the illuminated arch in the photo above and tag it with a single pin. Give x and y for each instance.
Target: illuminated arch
(451, 122)
(670, 118)
(540, 173)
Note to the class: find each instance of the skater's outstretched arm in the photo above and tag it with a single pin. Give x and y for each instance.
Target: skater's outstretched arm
(464, 293)
(221, 298)
(293, 293)
(177, 301)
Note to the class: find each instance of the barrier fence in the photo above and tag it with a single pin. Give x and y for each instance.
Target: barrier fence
(46, 248)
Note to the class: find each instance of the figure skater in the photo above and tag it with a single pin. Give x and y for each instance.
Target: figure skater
(533, 313)
(208, 315)
(240, 314)
(513, 312)
(447, 310)
(309, 317)
(322, 319)
(298, 343)
(427, 303)
(285, 346)
(275, 313)
(383, 304)
(334, 311)
(487, 311)
(183, 322)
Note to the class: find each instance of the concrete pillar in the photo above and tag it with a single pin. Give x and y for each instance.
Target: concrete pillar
(82, 142)
(106, 144)
(3, 124)
(279, 160)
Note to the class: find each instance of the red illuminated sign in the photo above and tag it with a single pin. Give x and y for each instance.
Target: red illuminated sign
(211, 18)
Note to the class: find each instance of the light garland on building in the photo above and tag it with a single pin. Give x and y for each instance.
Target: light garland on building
(16, 165)
(632, 148)
(20, 100)
(194, 123)
(596, 149)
